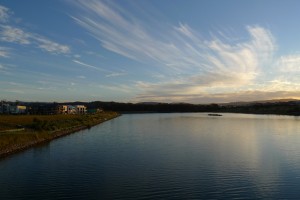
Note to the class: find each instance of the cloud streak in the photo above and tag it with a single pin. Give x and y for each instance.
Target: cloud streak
(108, 73)
(116, 74)
(4, 14)
(194, 65)
(15, 35)
(12, 34)
(52, 47)
(183, 51)
(290, 63)
(4, 52)
(89, 66)
(248, 95)
(169, 62)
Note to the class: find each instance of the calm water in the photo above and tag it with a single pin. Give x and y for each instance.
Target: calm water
(163, 156)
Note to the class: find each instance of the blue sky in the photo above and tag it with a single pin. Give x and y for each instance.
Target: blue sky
(134, 51)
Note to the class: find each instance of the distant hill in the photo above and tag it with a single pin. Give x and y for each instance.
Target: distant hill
(247, 103)
(149, 103)
(274, 106)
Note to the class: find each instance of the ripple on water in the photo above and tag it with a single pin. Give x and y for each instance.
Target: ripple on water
(163, 156)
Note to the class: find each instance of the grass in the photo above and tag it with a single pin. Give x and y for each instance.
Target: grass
(42, 127)
(15, 121)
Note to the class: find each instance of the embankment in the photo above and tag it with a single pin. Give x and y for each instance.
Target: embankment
(41, 129)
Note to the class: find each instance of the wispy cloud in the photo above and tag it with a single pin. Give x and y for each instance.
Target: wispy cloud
(89, 66)
(81, 77)
(6, 69)
(19, 36)
(208, 62)
(4, 52)
(107, 72)
(116, 74)
(4, 14)
(12, 34)
(247, 95)
(194, 64)
(52, 47)
(289, 63)
(18, 91)
(114, 87)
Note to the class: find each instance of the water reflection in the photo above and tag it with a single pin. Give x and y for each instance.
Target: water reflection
(163, 156)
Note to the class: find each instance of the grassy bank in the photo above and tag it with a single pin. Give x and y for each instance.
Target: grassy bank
(18, 132)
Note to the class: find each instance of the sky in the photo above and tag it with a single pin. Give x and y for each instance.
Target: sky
(207, 51)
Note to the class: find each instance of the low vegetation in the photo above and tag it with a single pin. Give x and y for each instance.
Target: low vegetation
(21, 131)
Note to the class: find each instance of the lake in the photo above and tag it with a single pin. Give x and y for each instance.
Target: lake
(163, 156)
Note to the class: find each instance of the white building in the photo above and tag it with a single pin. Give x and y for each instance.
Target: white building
(80, 109)
(17, 109)
(69, 109)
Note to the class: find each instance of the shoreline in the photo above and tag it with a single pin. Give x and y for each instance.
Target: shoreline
(220, 112)
(55, 135)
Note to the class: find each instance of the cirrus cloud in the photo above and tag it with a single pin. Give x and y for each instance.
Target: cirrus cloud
(12, 34)
(15, 35)
(4, 52)
(289, 63)
(52, 47)
(4, 14)
(184, 51)
(193, 65)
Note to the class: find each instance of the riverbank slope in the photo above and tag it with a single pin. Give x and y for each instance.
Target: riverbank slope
(20, 132)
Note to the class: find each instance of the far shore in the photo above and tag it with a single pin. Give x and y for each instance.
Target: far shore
(16, 140)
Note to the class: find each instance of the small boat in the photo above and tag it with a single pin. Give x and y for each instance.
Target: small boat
(214, 114)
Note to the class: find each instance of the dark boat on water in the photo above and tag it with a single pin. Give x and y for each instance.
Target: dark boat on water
(214, 114)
